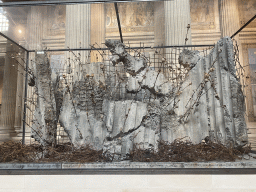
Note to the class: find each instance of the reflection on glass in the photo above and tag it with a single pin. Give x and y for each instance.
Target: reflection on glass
(4, 22)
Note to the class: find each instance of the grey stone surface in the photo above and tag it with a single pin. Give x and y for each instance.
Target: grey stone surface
(237, 97)
(160, 165)
(45, 128)
(188, 58)
(133, 85)
(247, 164)
(81, 114)
(244, 164)
(132, 64)
(127, 117)
(30, 165)
(151, 80)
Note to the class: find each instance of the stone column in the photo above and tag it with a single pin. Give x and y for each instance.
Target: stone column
(98, 29)
(159, 19)
(229, 17)
(229, 23)
(19, 97)
(159, 31)
(177, 18)
(78, 24)
(35, 28)
(9, 94)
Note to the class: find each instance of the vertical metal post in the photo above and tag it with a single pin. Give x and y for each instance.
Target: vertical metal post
(25, 100)
(118, 21)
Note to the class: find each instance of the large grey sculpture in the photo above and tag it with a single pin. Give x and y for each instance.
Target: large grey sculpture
(207, 102)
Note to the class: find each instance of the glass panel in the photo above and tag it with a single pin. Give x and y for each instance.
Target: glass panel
(252, 63)
(247, 11)
(252, 57)
(4, 22)
(143, 24)
(153, 23)
(247, 49)
(12, 72)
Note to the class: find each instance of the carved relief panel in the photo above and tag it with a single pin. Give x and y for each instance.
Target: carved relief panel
(56, 16)
(247, 10)
(202, 14)
(134, 17)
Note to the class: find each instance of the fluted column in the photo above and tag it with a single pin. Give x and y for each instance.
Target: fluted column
(19, 97)
(78, 24)
(159, 19)
(35, 28)
(229, 17)
(9, 94)
(98, 29)
(159, 27)
(177, 18)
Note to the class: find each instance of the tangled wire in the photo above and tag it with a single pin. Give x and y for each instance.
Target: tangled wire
(178, 151)
(186, 151)
(16, 152)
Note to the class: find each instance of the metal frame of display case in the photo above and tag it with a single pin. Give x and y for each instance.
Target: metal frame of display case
(57, 168)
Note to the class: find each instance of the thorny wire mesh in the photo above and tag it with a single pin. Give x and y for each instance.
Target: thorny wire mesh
(164, 60)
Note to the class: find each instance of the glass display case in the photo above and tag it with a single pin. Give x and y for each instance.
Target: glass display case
(70, 38)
